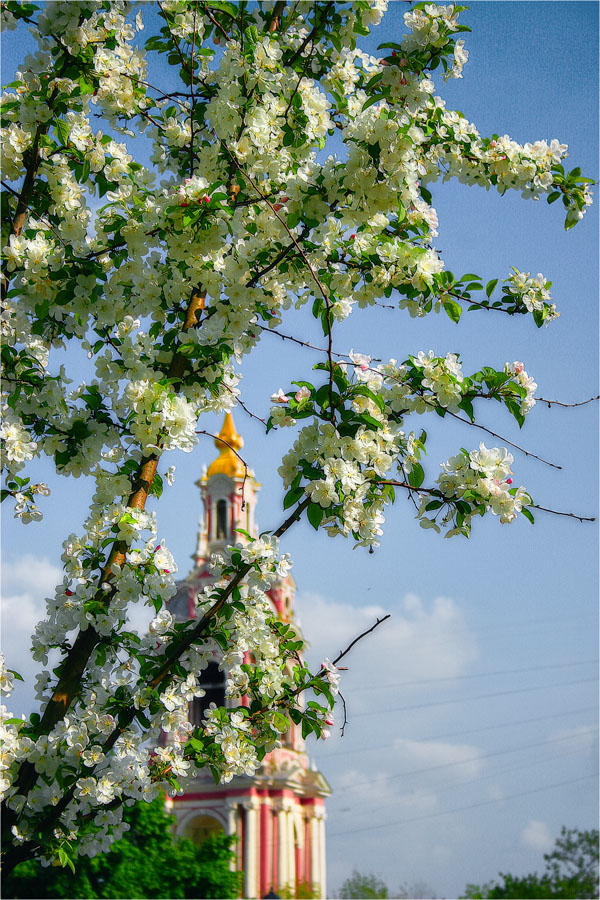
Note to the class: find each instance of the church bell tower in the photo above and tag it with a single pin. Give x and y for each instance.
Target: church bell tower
(277, 815)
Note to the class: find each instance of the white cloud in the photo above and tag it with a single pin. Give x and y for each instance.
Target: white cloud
(451, 760)
(31, 575)
(536, 835)
(582, 739)
(421, 641)
(26, 582)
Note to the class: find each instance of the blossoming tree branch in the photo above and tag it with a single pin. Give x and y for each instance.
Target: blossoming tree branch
(166, 275)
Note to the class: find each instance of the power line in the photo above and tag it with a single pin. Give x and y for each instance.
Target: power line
(375, 687)
(447, 812)
(494, 774)
(324, 755)
(468, 759)
(541, 687)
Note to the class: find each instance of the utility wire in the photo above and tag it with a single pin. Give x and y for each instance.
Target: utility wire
(541, 687)
(324, 755)
(447, 812)
(420, 681)
(373, 782)
(505, 770)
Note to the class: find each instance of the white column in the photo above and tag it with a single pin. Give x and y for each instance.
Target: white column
(282, 850)
(251, 847)
(232, 828)
(323, 860)
(315, 847)
(291, 850)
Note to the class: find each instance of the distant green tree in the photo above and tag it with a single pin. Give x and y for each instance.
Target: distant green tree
(302, 890)
(571, 872)
(416, 890)
(363, 886)
(149, 861)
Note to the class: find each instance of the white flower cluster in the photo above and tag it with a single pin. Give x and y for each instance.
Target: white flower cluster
(349, 466)
(484, 473)
(164, 420)
(518, 374)
(443, 377)
(231, 733)
(532, 291)
(17, 448)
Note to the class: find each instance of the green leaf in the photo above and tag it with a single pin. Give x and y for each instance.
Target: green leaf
(528, 514)
(453, 310)
(292, 497)
(374, 99)
(17, 676)
(315, 514)
(416, 475)
(157, 486)
(62, 131)
(491, 286)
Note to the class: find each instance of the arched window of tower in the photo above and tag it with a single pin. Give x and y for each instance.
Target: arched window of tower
(201, 827)
(221, 520)
(212, 681)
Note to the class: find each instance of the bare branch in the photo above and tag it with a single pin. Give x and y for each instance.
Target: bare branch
(504, 439)
(556, 512)
(559, 403)
(345, 722)
(356, 640)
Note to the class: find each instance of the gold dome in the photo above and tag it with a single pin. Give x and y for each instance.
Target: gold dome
(227, 463)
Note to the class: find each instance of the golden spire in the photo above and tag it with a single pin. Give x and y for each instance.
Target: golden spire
(227, 463)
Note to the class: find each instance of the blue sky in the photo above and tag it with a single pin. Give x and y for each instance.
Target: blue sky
(472, 731)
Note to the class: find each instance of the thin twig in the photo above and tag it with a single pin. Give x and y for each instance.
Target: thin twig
(215, 22)
(310, 36)
(356, 640)
(494, 434)
(556, 512)
(279, 258)
(559, 403)
(298, 83)
(345, 722)
(221, 440)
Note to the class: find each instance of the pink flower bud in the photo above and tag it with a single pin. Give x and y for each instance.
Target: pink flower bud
(509, 480)
(519, 367)
(277, 206)
(279, 397)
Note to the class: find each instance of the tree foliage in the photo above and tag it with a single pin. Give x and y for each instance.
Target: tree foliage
(148, 861)
(286, 168)
(363, 885)
(571, 871)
